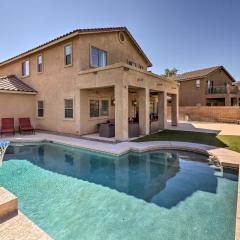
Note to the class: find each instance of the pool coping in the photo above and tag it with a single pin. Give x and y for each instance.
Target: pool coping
(225, 157)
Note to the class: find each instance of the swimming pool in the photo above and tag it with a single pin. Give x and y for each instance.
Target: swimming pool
(76, 194)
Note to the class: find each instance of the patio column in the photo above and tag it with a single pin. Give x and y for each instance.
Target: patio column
(144, 105)
(175, 109)
(121, 111)
(162, 109)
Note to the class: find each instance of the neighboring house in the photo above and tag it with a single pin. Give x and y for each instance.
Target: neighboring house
(86, 77)
(208, 87)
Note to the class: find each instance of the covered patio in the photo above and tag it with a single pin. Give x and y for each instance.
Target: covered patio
(126, 101)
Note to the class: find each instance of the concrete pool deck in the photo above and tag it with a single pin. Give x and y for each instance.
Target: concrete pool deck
(225, 157)
(20, 227)
(14, 225)
(207, 127)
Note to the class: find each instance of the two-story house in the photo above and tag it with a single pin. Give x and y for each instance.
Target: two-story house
(86, 77)
(208, 87)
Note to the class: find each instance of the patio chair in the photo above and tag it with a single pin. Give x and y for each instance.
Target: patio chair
(7, 126)
(25, 125)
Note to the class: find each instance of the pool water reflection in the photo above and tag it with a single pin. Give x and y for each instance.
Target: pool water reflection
(162, 177)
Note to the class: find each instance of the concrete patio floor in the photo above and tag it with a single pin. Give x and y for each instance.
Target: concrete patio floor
(204, 127)
(207, 127)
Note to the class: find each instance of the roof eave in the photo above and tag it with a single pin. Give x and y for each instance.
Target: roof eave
(189, 79)
(39, 48)
(17, 92)
(204, 76)
(139, 48)
(71, 35)
(225, 70)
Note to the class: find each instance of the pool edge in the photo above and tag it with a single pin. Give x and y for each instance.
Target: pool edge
(226, 158)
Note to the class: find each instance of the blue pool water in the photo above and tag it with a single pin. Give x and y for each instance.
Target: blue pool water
(77, 194)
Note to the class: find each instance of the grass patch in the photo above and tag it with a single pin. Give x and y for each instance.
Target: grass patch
(224, 141)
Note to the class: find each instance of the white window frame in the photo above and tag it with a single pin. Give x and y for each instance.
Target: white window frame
(40, 55)
(41, 108)
(71, 58)
(99, 49)
(24, 62)
(100, 99)
(198, 83)
(64, 116)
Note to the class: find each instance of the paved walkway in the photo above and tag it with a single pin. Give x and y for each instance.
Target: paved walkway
(208, 127)
(21, 228)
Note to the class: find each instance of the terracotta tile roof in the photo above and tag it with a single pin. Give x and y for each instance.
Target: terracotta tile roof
(12, 83)
(82, 31)
(197, 74)
(194, 74)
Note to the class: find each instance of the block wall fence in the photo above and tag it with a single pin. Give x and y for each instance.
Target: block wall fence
(209, 114)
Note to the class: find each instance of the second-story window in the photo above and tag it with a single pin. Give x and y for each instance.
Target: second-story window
(25, 68)
(98, 57)
(39, 63)
(198, 82)
(210, 88)
(68, 54)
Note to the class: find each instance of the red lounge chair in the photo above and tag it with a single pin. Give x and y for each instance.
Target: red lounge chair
(25, 125)
(7, 126)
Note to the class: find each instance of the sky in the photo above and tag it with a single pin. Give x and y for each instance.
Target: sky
(185, 34)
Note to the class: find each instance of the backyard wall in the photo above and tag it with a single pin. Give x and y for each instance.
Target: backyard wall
(16, 106)
(223, 114)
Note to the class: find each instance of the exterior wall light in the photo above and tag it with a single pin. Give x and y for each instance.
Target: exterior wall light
(113, 102)
(134, 102)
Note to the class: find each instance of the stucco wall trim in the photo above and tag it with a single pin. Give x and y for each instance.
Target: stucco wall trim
(121, 65)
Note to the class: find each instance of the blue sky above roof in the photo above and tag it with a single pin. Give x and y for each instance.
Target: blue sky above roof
(186, 34)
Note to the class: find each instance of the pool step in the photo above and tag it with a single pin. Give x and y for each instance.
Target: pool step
(8, 205)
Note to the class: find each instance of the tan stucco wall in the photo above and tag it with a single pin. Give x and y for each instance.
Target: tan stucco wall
(122, 78)
(111, 75)
(189, 95)
(53, 85)
(219, 78)
(58, 82)
(16, 106)
(116, 51)
(87, 124)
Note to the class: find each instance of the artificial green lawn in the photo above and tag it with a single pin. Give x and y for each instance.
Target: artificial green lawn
(225, 141)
